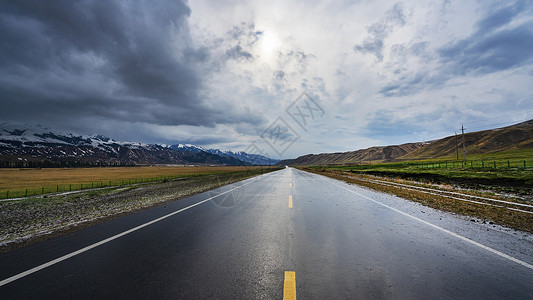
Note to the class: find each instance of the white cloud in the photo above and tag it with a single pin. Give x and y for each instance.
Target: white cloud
(383, 71)
(375, 67)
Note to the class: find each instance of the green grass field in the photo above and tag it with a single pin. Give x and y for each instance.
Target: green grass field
(509, 168)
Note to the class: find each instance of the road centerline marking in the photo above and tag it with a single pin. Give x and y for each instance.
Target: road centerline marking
(105, 241)
(289, 286)
(290, 201)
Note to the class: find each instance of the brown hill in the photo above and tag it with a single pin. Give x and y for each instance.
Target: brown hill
(373, 154)
(515, 137)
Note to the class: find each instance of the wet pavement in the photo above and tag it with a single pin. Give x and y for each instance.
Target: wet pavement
(341, 241)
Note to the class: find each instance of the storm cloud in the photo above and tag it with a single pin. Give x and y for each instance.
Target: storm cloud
(118, 60)
(500, 42)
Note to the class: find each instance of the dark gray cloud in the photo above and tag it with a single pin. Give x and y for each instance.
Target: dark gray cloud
(245, 33)
(301, 59)
(491, 52)
(494, 46)
(241, 39)
(500, 16)
(377, 32)
(76, 61)
(408, 85)
(279, 75)
(237, 53)
(293, 62)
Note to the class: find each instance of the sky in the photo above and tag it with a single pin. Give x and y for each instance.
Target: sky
(279, 78)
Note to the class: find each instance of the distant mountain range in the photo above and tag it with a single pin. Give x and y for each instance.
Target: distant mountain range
(515, 137)
(32, 145)
(253, 159)
(373, 154)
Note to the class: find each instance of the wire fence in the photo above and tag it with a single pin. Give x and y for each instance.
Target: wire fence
(62, 188)
(479, 164)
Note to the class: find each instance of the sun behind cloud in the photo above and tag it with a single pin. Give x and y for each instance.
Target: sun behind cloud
(270, 44)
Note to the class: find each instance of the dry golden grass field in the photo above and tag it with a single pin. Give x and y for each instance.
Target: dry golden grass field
(52, 179)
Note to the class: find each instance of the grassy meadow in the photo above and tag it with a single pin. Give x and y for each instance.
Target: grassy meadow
(25, 182)
(504, 167)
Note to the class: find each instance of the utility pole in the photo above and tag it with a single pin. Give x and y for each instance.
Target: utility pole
(464, 151)
(456, 148)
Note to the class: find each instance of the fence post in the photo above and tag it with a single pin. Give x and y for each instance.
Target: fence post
(7, 195)
(26, 193)
(81, 186)
(42, 191)
(524, 164)
(508, 164)
(70, 187)
(482, 164)
(494, 164)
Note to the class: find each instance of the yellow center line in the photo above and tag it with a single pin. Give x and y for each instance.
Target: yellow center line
(290, 184)
(290, 201)
(289, 286)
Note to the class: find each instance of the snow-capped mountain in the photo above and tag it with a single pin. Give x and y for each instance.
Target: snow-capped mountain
(28, 135)
(188, 147)
(38, 145)
(253, 159)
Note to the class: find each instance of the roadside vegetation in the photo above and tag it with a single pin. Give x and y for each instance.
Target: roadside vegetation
(35, 218)
(505, 172)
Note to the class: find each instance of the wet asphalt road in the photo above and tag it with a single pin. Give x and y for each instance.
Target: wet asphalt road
(340, 245)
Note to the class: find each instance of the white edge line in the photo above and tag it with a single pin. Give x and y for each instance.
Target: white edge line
(516, 260)
(72, 254)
